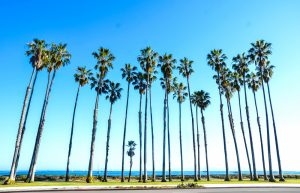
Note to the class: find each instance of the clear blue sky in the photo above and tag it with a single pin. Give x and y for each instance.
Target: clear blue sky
(183, 28)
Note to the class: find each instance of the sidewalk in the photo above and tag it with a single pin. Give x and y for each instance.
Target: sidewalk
(65, 188)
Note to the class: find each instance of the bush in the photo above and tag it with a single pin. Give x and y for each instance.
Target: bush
(188, 185)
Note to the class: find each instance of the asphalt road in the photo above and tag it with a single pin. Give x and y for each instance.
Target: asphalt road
(211, 190)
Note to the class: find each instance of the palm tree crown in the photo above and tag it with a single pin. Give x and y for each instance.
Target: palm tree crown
(37, 50)
(128, 72)
(240, 64)
(180, 92)
(216, 60)
(139, 82)
(260, 52)
(82, 76)
(104, 61)
(113, 91)
(185, 67)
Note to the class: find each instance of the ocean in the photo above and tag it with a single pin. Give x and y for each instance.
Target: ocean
(134, 173)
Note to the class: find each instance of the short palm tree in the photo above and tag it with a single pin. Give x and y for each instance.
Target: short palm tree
(236, 83)
(128, 73)
(180, 94)
(185, 69)
(258, 54)
(268, 73)
(113, 93)
(216, 60)
(228, 91)
(104, 62)
(167, 65)
(240, 65)
(58, 56)
(254, 84)
(130, 152)
(139, 84)
(203, 103)
(195, 100)
(82, 77)
(147, 60)
(37, 50)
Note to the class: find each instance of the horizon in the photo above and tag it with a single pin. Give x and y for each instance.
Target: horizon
(185, 29)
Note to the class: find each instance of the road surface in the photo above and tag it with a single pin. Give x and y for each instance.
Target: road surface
(210, 190)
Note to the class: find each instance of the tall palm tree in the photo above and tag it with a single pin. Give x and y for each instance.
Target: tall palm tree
(195, 100)
(228, 91)
(203, 102)
(37, 51)
(185, 69)
(152, 79)
(58, 56)
(167, 65)
(180, 94)
(236, 83)
(268, 73)
(240, 65)
(130, 153)
(139, 84)
(127, 72)
(147, 60)
(254, 83)
(258, 54)
(82, 76)
(104, 62)
(113, 93)
(216, 60)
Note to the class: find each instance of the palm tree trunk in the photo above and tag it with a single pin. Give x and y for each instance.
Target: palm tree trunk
(107, 144)
(31, 172)
(89, 178)
(193, 130)
(198, 144)
(169, 140)
(281, 178)
(180, 140)
(71, 137)
(205, 145)
(152, 133)
(223, 130)
(21, 130)
(124, 134)
(140, 137)
(145, 177)
(271, 176)
(130, 169)
(163, 179)
(255, 177)
(261, 139)
(234, 139)
(244, 138)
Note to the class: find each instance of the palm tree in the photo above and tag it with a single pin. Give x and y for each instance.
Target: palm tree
(228, 90)
(240, 65)
(113, 93)
(258, 54)
(180, 94)
(195, 100)
(236, 83)
(139, 84)
(167, 65)
(203, 102)
(104, 62)
(254, 84)
(58, 56)
(37, 52)
(82, 77)
(216, 60)
(186, 70)
(130, 153)
(127, 72)
(268, 73)
(147, 61)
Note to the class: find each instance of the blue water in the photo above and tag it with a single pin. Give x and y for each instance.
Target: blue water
(134, 173)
